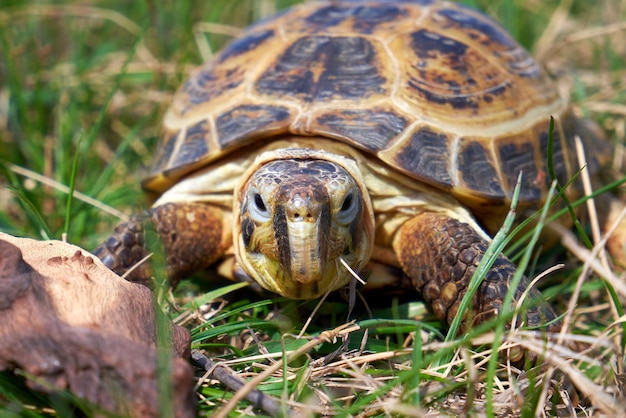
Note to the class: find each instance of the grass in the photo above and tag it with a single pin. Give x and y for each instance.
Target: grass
(82, 89)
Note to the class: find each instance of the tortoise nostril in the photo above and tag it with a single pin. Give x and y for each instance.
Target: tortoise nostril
(297, 215)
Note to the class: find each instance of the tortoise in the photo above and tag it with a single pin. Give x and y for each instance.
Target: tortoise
(354, 135)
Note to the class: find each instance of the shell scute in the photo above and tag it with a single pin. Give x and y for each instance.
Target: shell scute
(373, 129)
(516, 155)
(478, 27)
(426, 152)
(490, 39)
(374, 19)
(195, 146)
(479, 169)
(246, 44)
(330, 16)
(165, 150)
(324, 68)
(210, 83)
(358, 18)
(452, 75)
(244, 121)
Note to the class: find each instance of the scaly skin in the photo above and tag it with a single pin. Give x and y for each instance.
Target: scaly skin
(192, 236)
(440, 255)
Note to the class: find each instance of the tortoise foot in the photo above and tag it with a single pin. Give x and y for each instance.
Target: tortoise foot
(192, 236)
(440, 256)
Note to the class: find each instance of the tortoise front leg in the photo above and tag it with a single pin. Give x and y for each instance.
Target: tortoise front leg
(440, 254)
(193, 235)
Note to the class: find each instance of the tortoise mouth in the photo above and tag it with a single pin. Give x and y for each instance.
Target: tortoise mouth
(271, 275)
(298, 217)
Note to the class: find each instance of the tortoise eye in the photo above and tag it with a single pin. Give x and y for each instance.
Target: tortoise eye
(258, 201)
(256, 207)
(349, 208)
(347, 203)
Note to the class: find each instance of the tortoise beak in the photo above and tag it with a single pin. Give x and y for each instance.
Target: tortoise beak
(304, 222)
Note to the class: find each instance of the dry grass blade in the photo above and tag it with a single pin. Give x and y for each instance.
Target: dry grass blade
(591, 205)
(600, 398)
(595, 32)
(199, 30)
(571, 242)
(549, 35)
(602, 107)
(55, 11)
(326, 336)
(548, 44)
(64, 189)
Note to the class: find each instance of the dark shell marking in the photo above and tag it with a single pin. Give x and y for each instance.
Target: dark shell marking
(372, 129)
(209, 84)
(364, 18)
(246, 44)
(479, 168)
(194, 146)
(323, 68)
(439, 91)
(515, 157)
(427, 152)
(247, 120)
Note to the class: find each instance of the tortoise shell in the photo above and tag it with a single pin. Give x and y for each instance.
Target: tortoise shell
(436, 90)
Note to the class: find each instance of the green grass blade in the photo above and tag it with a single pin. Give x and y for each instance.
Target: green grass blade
(507, 308)
(70, 194)
(493, 252)
(562, 195)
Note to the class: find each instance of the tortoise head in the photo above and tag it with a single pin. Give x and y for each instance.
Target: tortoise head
(299, 216)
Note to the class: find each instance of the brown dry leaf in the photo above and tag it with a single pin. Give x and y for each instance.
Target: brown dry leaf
(71, 324)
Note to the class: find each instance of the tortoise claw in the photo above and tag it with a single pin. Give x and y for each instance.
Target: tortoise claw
(125, 248)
